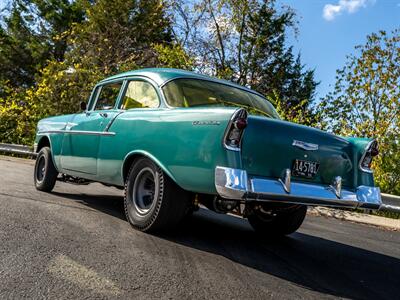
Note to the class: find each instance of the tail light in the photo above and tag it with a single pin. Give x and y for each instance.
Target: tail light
(234, 133)
(371, 150)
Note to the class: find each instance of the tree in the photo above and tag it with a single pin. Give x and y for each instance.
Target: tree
(366, 102)
(32, 33)
(245, 41)
(121, 34)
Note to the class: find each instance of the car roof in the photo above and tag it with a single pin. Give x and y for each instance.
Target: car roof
(162, 75)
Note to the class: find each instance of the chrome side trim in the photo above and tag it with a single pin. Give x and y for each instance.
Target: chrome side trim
(112, 120)
(235, 184)
(82, 132)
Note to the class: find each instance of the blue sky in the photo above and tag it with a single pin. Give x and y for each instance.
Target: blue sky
(330, 29)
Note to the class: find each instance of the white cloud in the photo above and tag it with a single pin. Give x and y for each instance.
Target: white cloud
(350, 6)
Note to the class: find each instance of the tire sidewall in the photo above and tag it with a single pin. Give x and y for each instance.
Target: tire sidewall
(43, 153)
(283, 224)
(135, 217)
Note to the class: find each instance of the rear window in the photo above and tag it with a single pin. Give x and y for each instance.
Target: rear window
(196, 92)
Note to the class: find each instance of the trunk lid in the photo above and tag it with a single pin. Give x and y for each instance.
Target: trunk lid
(267, 150)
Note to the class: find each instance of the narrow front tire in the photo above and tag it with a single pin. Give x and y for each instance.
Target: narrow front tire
(45, 174)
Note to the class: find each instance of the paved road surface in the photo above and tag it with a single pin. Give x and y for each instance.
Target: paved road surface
(75, 243)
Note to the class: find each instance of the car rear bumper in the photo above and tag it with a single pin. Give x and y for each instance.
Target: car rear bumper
(236, 184)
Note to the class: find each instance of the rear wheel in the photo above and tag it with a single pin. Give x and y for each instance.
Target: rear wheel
(153, 202)
(277, 222)
(45, 174)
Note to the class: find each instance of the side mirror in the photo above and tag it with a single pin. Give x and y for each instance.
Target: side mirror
(83, 106)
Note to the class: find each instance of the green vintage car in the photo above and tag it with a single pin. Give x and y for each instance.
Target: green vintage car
(174, 139)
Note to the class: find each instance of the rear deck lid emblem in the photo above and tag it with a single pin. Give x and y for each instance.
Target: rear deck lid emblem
(305, 146)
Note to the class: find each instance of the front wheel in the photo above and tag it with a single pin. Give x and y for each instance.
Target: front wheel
(153, 202)
(45, 174)
(277, 223)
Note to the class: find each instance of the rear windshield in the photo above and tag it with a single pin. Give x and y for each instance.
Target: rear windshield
(195, 92)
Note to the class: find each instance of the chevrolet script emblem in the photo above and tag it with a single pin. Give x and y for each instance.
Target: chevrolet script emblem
(305, 146)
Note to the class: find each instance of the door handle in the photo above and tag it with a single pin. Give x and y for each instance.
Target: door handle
(104, 115)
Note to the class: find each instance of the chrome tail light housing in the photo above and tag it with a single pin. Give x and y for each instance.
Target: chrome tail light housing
(235, 129)
(371, 151)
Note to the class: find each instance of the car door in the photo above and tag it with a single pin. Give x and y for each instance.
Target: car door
(139, 103)
(83, 133)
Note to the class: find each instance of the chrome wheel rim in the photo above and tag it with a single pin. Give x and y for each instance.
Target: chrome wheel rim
(144, 191)
(40, 169)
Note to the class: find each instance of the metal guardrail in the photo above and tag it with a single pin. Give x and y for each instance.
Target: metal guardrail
(391, 199)
(390, 202)
(17, 149)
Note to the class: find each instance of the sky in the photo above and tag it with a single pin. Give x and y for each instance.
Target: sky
(330, 29)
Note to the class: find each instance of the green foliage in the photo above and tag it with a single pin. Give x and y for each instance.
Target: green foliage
(120, 33)
(61, 87)
(59, 91)
(366, 102)
(32, 33)
(17, 117)
(173, 56)
(299, 113)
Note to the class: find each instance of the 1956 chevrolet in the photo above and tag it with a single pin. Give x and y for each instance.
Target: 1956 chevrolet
(175, 139)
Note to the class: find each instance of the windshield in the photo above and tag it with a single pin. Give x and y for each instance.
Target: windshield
(195, 92)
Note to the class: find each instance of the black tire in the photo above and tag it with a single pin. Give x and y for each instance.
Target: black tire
(45, 174)
(282, 223)
(153, 202)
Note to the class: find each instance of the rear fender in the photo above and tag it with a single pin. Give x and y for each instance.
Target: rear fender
(142, 153)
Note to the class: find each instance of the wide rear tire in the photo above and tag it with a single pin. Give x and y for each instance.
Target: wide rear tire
(153, 202)
(45, 174)
(282, 223)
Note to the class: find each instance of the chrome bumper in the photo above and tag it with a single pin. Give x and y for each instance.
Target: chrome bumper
(236, 184)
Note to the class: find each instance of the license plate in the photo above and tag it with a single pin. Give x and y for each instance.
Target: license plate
(305, 168)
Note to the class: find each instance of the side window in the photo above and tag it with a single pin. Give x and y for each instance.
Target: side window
(140, 94)
(108, 96)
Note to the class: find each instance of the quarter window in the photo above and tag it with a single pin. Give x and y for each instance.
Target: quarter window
(140, 94)
(108, 96)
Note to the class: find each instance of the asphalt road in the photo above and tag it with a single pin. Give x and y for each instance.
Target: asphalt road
(75, 243)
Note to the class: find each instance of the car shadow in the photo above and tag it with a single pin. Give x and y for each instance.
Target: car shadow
(109, 204)
(315, 263)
